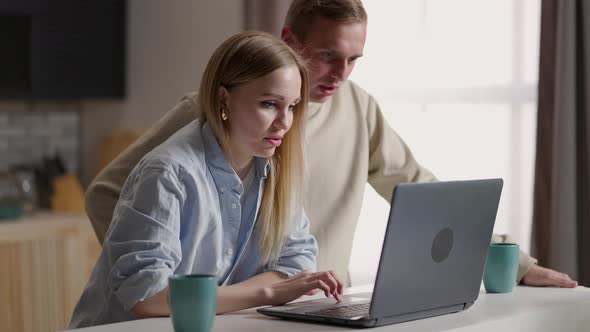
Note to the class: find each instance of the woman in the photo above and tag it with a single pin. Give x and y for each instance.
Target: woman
(222, 196)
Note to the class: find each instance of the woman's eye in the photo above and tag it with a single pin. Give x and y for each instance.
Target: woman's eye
(267, 104)
(292, 107)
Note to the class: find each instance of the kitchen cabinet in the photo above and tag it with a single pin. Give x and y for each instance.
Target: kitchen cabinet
(45, 261)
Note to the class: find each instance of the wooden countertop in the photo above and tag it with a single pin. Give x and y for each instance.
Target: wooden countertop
(41, 224)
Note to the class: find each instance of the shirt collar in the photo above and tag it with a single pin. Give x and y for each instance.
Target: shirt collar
(223, 174)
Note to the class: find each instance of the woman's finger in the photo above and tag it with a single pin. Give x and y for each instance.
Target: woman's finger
(337, 291)
(318, 283)
(329, 279)
(312, 292)
(340, 284)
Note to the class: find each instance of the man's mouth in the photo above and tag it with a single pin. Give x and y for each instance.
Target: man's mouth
(327, 89)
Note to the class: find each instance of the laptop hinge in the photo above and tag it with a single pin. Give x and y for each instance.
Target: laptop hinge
(421, 314)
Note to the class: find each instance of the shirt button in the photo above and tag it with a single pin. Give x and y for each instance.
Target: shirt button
(230, 251)
(234, 205)
(222, 189)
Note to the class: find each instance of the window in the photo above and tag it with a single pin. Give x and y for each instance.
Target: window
(457, 80)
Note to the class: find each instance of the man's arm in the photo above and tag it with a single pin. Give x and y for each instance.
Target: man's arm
(390, 160)
(103, 193)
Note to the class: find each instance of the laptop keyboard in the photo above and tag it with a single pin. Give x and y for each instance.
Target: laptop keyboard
(347, 311)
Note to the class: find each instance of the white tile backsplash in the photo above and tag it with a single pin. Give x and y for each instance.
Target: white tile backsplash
(25, 137)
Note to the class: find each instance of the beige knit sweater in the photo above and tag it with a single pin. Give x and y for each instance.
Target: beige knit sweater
(349, 143)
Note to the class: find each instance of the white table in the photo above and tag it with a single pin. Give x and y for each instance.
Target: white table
(525, 309)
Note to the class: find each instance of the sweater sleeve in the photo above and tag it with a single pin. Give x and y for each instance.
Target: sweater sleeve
(104, 191)
(390, 160)
(524, 261)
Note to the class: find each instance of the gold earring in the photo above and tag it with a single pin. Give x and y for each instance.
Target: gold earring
(223, 114)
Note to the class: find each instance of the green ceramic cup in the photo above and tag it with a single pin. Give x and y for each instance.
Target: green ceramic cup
(192, 299)
(501, 268)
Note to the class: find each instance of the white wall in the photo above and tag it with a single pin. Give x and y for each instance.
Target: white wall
(168, 46)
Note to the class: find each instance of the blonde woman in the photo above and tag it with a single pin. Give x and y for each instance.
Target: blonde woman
(222, 197)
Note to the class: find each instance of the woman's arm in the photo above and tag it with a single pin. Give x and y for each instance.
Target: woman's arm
(269, 288)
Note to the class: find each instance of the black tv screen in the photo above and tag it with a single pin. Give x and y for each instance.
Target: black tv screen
(15, 58)
(62, 49)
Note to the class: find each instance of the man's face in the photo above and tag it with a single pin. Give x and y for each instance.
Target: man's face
(332, 49)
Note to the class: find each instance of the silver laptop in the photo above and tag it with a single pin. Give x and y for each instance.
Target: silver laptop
(432, 259)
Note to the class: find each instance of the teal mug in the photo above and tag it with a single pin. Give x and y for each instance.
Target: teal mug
(501, 268)
(192, 299)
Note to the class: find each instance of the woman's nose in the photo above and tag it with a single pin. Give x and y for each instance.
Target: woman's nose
(284, 119)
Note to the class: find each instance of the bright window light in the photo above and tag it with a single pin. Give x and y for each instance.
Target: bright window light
(457, 80)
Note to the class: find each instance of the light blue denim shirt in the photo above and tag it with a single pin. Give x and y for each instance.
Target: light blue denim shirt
(179, 212)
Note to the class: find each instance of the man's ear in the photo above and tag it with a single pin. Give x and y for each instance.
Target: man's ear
(289, 37)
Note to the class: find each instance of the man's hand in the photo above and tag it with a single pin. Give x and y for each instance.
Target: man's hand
(541, 276)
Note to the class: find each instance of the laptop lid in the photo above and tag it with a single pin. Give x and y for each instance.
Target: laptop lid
(435, 246)
(432, 257)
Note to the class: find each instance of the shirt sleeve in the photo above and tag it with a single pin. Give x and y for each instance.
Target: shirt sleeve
(299, 251)
(390, 160)
(143, 244)
(103, 193)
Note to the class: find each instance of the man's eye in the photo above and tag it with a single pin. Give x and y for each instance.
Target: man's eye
(327, 55)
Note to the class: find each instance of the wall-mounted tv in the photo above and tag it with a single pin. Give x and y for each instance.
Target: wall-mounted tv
(62, 49)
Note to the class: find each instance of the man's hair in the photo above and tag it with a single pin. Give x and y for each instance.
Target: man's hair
(239, 60)
(302, 12)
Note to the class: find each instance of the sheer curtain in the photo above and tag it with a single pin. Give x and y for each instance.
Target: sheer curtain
(561, 226)
(457, 79)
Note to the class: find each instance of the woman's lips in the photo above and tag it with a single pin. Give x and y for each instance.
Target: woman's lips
(275, 141)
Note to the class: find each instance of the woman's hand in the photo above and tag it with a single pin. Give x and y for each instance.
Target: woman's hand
(304, 283)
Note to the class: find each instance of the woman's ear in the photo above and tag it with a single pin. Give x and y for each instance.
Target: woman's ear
(223, 96)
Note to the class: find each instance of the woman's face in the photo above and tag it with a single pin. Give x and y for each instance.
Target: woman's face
(260, 112)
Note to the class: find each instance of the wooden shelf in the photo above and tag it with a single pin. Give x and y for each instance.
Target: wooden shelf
(46, 260)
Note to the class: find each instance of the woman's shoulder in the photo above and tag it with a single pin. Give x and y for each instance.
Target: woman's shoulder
(181, 152)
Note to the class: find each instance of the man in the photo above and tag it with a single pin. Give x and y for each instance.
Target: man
(348, 140)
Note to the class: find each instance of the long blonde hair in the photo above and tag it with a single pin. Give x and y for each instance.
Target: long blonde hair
(242, 58)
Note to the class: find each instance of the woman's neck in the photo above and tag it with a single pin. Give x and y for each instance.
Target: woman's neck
(240, 162)
(240, 165)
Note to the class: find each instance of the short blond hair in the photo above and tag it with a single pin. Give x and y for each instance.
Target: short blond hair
(240, 59)
(302, 12)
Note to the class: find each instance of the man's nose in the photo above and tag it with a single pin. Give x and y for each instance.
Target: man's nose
(340, 70)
